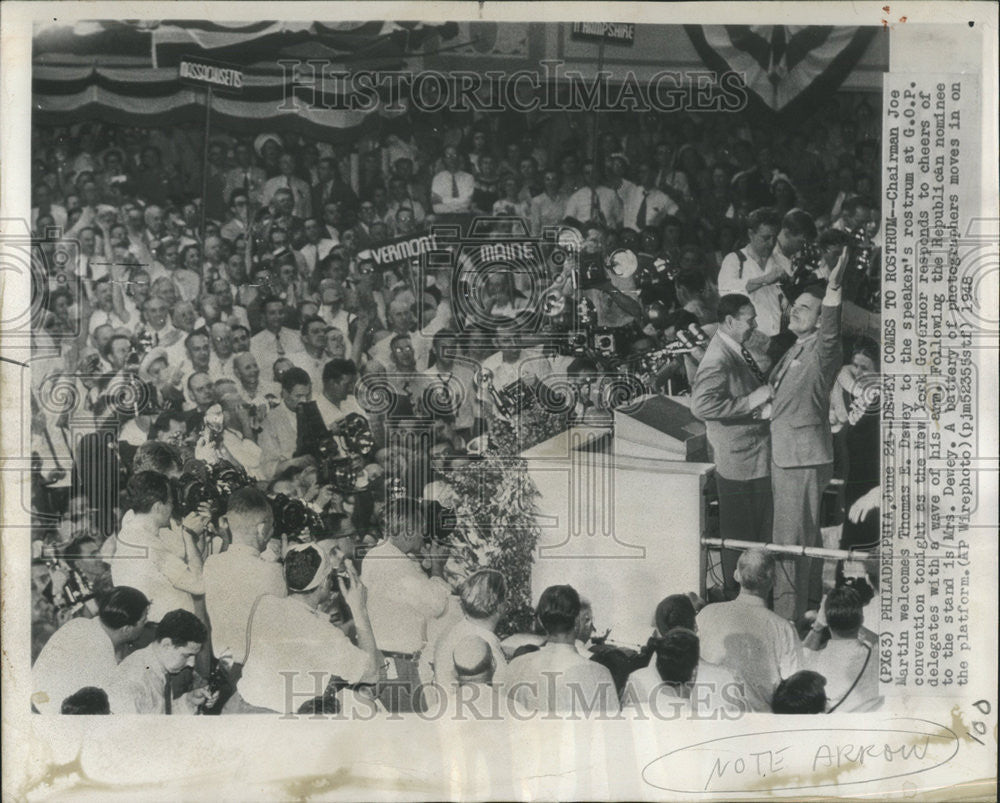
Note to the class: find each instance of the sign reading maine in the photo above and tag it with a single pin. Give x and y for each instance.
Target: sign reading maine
(617, 33)
(225, 78)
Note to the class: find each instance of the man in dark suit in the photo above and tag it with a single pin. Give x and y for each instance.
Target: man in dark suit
(728, 394)
(802, 444)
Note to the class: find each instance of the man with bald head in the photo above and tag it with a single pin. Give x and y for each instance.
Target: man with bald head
(253, 390)
(402, 321)
(221, 360)
(755, 644)
(473, 661)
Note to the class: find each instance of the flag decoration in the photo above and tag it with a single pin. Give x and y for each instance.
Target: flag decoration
(126, 72)
(788, 69)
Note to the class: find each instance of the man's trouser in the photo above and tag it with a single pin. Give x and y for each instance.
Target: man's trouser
(400, 693)
(798, 492)
(745, 514)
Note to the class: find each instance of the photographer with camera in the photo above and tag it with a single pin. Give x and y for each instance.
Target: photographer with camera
(235, 578)
(292, 645)
(157, 555)
(403, 600)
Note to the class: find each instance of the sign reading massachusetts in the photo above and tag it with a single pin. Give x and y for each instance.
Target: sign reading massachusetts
(225, 78)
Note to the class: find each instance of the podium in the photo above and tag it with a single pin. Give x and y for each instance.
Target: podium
(621, 513)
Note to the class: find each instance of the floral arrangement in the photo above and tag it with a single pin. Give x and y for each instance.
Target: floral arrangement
(494, 501)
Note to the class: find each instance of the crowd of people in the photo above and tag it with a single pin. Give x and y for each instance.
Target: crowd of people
(224, 520)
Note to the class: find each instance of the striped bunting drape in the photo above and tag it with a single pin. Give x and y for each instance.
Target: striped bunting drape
(77, 75)
(789, 69)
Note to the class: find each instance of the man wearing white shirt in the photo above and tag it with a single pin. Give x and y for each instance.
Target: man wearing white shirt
(595, 202)
(618, 165)
(512, 363)
(452, 188)
(400, 198)
(236, 577)
(108, 306)
(549, 207)
(645, 205)
(402, 599)
(155, 314)
(220, 364)
(556, 678)
(275, 340)
(238, 210)
(331, 309)
(169, 574)
(746, 271)
(245, 176)
(337, 401)
(294, 649)
(312, 358)
(317, 246)
(753, 643)
(301, 192)
(279, 435)
(483, 596)
(253, 390)
(197, 360)
(401, 321)
(84, 652)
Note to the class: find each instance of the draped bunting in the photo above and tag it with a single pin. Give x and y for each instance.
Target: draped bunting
(789, 69)
(126, 72)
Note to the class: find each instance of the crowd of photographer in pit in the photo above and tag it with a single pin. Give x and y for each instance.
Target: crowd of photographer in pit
(224, 363)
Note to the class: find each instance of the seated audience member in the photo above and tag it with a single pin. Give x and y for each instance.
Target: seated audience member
(473, 661)
(295, 652)
(143, 682)
(755, 644)
(802, 693)
(403, 599)
(676, 674)
(555, 678)
(85, 652)
(87, 701)
(847, 662)
(234, 579)
(483, 598)
(677, 610)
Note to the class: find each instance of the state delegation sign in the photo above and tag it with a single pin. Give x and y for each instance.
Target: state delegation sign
(615, 33)
(225, 78)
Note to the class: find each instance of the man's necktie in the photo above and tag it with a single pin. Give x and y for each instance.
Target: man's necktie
(278, 347)
(752, 364)
(595, 207)
(454, 186)
(640, 218)
(168, 694)
(783, 366)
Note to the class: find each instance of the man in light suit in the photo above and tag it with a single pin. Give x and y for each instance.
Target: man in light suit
(801, 441)
(728, 394)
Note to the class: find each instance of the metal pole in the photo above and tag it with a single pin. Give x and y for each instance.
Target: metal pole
(787, 549)
(204, 163)
(597, 119)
